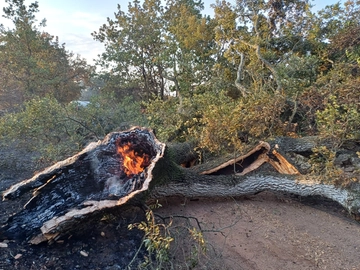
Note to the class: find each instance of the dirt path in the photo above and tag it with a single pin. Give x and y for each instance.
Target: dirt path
(267, 231)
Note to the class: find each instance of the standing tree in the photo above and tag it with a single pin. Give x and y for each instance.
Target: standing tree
(132, 47)
(259, 35)
(190, 44)
(150, 46)
(33, 63)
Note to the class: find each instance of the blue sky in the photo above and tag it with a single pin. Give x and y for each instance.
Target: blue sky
(73, 21)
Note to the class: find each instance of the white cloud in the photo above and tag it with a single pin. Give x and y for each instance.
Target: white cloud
(74, 28)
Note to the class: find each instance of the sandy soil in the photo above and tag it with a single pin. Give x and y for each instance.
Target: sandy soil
(270, 231)
(263, 231)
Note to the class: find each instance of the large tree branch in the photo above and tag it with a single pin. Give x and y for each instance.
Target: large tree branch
(257, 49)
(233, 186)
(238, 80)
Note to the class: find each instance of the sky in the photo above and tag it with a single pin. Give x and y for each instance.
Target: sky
(73, 21)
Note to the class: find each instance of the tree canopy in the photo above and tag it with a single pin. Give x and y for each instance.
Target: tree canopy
(156, 48)
(33, 62)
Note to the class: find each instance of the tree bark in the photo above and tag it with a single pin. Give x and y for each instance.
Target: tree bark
(238, 80)
(265, 169)
(98, 178)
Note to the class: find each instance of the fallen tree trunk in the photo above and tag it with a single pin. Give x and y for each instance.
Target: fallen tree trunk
(205, 186)
(128, 164)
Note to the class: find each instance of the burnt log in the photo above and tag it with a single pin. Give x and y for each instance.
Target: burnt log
(133, 164)
(105, 174)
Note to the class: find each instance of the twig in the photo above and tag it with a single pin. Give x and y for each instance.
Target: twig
(180, 216)
(136, 255)
(220, 230)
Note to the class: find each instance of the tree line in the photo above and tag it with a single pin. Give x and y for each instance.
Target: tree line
(254, 70)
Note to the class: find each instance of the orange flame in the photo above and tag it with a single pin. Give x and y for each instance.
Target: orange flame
(133, 162)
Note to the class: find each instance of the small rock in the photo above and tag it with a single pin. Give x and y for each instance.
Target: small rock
(102, 234)
(17, 256)
(83, 253)
(3, 245)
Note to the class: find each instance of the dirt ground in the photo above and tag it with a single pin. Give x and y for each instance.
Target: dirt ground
(264, 231)
(269, 231)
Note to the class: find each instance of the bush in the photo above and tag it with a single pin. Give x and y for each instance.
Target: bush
(339, 122)
(58, 131)
(42, 126)
(216, 121)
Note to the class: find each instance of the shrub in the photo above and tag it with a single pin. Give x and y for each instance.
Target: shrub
(216, 121)
(57, 131)
(340, 122)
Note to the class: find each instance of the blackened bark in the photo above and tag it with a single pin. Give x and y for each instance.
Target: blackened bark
(84, 184)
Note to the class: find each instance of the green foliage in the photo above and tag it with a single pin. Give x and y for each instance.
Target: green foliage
(105, 114)
(151, 45)
(189, 43)
(354, 54)
(41, 126)
(266, 33)
(199, 247)
(57, 131)
(339, 122)
(165, 242)
(225, 122)
(216, 121)
(322, 165)
(165, 119)
(298, 73)
(33, 63)
(133, 41)
(157, 241)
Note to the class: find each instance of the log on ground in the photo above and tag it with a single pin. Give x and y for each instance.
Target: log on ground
(130, 164)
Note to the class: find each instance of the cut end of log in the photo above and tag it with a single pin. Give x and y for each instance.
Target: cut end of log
(137, 151)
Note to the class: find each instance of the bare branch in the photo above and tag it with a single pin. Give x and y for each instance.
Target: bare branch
(238, 80)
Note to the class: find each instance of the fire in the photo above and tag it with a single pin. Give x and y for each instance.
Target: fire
(133, 162)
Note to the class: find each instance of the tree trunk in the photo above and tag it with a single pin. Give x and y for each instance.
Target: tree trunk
(104, 175)
(127, 165)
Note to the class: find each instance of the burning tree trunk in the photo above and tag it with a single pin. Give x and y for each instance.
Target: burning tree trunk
(108, 174)
(104, 175)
